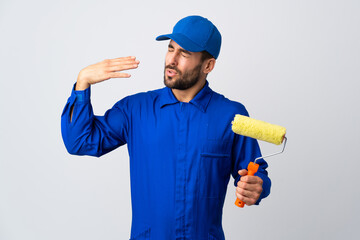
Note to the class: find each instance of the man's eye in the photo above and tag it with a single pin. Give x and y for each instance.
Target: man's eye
(184, 54)
(170, 50)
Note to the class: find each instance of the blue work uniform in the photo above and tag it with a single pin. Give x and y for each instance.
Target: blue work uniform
(181, 157)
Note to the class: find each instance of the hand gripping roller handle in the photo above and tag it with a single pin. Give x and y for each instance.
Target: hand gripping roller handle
(260, 130)
(252, 169)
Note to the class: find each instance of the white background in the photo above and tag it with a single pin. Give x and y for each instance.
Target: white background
(292, 63)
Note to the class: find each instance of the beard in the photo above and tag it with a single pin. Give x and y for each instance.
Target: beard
(185, 80)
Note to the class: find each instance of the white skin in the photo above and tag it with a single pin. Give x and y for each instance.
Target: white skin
(182, 63)
(185, 62)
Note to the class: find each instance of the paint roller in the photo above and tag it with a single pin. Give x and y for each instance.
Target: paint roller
(260, 130)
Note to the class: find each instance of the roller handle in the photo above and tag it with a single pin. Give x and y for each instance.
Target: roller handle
(252, 169)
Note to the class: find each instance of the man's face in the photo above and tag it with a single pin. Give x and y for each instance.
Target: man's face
(182, 68)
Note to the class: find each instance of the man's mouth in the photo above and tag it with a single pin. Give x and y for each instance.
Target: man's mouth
(171, 72)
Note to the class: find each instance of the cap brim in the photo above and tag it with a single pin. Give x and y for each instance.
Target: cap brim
(183, 41)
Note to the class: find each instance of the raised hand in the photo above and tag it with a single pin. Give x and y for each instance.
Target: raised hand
(104, 70)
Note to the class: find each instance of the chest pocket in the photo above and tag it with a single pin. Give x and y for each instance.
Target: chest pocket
(215, 168)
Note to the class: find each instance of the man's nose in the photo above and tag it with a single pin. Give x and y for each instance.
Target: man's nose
(173, 59)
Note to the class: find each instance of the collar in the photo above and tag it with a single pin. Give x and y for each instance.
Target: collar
(201, 100)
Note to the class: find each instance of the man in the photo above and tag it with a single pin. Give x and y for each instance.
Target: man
(181, 147)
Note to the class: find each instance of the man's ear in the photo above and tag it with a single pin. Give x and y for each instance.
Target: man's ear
(209, 65)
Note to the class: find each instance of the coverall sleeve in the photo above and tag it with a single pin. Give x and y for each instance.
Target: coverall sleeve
(245, 150)
(87, 134)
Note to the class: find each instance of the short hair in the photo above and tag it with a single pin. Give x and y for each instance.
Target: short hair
(205, 55)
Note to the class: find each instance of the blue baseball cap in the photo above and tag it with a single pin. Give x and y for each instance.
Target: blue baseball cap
(195, 34)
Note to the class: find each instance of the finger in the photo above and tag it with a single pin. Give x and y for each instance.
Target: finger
(120, 62)
(257, 188)
(122, 67)
(243, 172)
(119, 75)
(247, 193)
(251, 179)
(248, 201)
(124, 58)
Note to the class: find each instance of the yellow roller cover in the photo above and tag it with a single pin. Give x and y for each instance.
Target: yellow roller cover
(257, 129)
